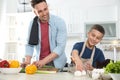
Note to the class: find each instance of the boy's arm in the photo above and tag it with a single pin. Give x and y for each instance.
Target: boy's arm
(76, 59)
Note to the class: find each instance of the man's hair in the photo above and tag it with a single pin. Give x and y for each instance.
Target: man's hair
(34, 2)
(98, 28)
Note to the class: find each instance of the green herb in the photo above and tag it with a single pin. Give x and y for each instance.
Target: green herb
(113, 67)
(48, 66)
(22, 70)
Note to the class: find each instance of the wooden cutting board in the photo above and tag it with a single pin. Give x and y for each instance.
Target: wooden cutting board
(47, 70)
(44, 70)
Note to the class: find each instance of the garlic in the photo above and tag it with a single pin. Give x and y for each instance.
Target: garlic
(77, 73)
(83, 72)
(80, 73)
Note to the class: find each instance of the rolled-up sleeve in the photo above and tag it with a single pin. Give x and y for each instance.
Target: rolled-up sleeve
(61, 37)
(29, 48)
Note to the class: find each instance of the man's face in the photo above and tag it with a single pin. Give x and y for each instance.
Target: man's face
(41, 10)
(94, 37)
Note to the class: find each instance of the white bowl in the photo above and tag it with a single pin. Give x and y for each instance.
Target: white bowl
(115, 76)
(10, 70)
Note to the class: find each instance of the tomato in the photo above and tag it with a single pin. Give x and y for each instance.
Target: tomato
(4, 64)
(30, 69)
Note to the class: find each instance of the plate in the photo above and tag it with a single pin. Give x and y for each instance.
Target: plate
(10, 70)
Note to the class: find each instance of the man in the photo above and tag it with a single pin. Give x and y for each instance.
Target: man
(85, 55)
(48, 36)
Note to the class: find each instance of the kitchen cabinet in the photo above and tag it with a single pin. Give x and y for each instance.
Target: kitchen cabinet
(110, 29)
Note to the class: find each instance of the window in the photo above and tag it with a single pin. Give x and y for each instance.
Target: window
(16, 26)
(110, 29)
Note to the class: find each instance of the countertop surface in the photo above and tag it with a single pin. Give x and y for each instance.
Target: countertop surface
(53, 76)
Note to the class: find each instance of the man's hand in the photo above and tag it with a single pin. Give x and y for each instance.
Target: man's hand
(39, 63)
(46, 60)
(26, 62)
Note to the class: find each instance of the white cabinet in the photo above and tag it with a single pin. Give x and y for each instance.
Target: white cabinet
(104, 15)
(101, 13)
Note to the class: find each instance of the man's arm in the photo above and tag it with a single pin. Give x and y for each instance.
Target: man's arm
(28, 59)
(46, 60)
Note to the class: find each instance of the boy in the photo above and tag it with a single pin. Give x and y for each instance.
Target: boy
(85, 55)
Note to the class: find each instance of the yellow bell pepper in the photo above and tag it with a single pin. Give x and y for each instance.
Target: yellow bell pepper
(30, 69)
(14, 63)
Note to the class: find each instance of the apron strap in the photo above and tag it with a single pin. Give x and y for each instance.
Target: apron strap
(83, 49)
(93, 52)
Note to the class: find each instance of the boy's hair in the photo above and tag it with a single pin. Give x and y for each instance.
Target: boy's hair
(98, 28)
(34, 2)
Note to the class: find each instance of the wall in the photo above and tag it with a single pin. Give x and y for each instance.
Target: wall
(11, 6)
(118, 17)
(3, 29)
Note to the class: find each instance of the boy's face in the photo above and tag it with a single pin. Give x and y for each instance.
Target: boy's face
(41, 10)
(94, 37)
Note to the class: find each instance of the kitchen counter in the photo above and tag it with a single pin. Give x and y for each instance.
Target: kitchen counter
(54, 76)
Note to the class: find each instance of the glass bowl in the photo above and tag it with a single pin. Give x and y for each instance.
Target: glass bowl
(115, 76)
